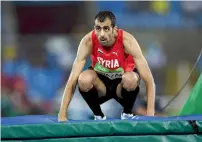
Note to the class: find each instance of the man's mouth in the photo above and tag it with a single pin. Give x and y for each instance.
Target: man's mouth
(103, 40)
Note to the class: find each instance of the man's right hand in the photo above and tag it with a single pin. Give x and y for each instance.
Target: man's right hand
(62, 118)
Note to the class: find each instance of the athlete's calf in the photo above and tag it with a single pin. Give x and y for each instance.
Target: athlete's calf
(128, 89)
(89, 84)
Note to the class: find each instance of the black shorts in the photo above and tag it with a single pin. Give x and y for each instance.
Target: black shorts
(111, 86)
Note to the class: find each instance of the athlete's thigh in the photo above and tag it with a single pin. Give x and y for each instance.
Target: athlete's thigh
(97, 83)
(132, 79)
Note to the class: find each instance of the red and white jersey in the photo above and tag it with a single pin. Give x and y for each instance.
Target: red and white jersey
(111, 62)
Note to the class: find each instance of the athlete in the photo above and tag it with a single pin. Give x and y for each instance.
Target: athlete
(117, 67)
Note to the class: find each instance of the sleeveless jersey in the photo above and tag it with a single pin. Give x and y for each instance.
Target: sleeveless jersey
(112, 62)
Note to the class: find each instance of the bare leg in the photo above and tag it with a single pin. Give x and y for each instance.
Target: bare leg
(128, 90)
(89, 86)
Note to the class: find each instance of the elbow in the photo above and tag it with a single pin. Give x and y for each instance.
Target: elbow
(150, 82)
(153, 83)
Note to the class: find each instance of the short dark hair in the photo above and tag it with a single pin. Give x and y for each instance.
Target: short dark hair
(102, 15)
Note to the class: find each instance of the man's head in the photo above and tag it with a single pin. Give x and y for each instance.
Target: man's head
(105, 22)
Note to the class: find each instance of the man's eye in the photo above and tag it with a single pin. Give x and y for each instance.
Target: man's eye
(97, 28)
(106, 28)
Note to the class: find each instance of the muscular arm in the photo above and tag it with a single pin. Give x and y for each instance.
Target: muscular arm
(132, 48)
(83, 52)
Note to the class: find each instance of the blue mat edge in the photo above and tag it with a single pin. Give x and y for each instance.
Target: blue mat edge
(51, 119)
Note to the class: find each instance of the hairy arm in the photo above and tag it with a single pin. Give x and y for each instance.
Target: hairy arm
(83, 52)
(132, 47)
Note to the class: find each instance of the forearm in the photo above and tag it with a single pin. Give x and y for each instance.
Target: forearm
(146, 75)
(150, 90)
(66, 99)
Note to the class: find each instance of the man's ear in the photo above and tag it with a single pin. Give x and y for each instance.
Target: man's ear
(115, 31)
(116, 28)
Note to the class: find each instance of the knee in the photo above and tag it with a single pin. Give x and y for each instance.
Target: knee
(85, 81)
(130, 81)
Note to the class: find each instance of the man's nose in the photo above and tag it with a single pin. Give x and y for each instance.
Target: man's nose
(102, 33)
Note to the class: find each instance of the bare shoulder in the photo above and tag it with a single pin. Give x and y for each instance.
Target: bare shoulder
(127, 37)
(128, 41)
(87, 39)
(85, 47)
(130, 44)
